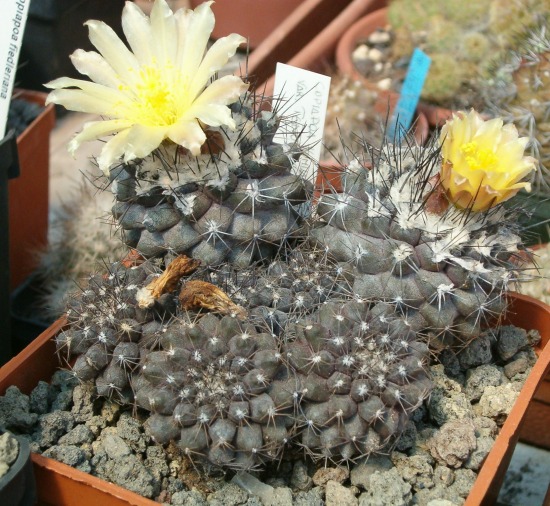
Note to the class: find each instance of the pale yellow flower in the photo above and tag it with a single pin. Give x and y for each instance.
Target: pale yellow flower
(483, 162)
(159, 90)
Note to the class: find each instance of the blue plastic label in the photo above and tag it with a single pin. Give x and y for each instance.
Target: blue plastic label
(410, 94)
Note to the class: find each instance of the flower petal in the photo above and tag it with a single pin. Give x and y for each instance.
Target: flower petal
(216, 57)
(222, 91)
(191, 52)
(79, 101)
(188, 134)
(93, 130)
(93, 65)
(142, 140)
(163, 28)
(112, 150)
(137, 29)
(114, 51)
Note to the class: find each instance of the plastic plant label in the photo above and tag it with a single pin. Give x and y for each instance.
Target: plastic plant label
(12, 26)
(301, 99)
(410, 94)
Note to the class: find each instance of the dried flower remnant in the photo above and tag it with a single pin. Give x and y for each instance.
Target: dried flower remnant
(203, 295)
(483, 161)
(160, 89)
(167, 282)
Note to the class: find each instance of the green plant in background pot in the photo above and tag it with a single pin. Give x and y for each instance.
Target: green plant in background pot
(462, 39)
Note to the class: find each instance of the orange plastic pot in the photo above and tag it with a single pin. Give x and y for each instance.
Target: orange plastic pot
(28, 193)
(61, 485)
(361, 29)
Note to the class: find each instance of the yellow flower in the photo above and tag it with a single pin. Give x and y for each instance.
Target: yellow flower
(159, 90)
(483, 161)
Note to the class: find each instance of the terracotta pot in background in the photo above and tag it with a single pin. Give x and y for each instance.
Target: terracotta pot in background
(361, 29)
(62, 485)
(28, 193)
(17, 486)
(253, 19)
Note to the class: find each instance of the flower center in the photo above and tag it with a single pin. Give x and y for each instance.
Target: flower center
(478, 158)
(155, 103)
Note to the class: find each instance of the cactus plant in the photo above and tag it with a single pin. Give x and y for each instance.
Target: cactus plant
(192, 165)
(326, 347)
(442, 267)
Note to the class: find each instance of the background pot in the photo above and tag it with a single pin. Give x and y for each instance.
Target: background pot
(64, 486)
(28, 193)
(253, 19)
(361, 29)
(17, 486)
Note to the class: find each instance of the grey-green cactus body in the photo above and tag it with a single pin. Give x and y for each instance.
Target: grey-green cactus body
(445, 271)
(236, 202)
(312, 366)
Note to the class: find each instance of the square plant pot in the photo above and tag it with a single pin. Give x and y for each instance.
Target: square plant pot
(62, 485)
(28, 193)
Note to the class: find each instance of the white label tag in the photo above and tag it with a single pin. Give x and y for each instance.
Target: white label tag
(301, 98)
(12, 26)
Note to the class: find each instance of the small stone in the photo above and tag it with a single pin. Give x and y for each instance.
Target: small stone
(337, 474)
(268, 495)
(14, 410)
(510, 341)
(497, 402)
(128, 472)
(443, 475)
(96, 424)
(70, 455)
(477, 353)
(517, 366)
(463, 483)
(314, 497)
(408, 438)
(375, 54)
(52, 426)
(115, 447)
(83, 402)
(379, 37)
(384, 84)
(79, 435)
(9, 450)
(416, 470)
(300, 479)
(361, 473)
(485, 427)
(454, 443)
(361, 52)
(40, 398)
(63, 401)
(478, 379)
(188, 498)
(386, 489)
(477, 457)
(338, 495)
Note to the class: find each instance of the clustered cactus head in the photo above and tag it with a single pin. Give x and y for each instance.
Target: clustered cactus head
(413, 234)
(483, 161)
(193, 165)
(304, 365)
(159, 90)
